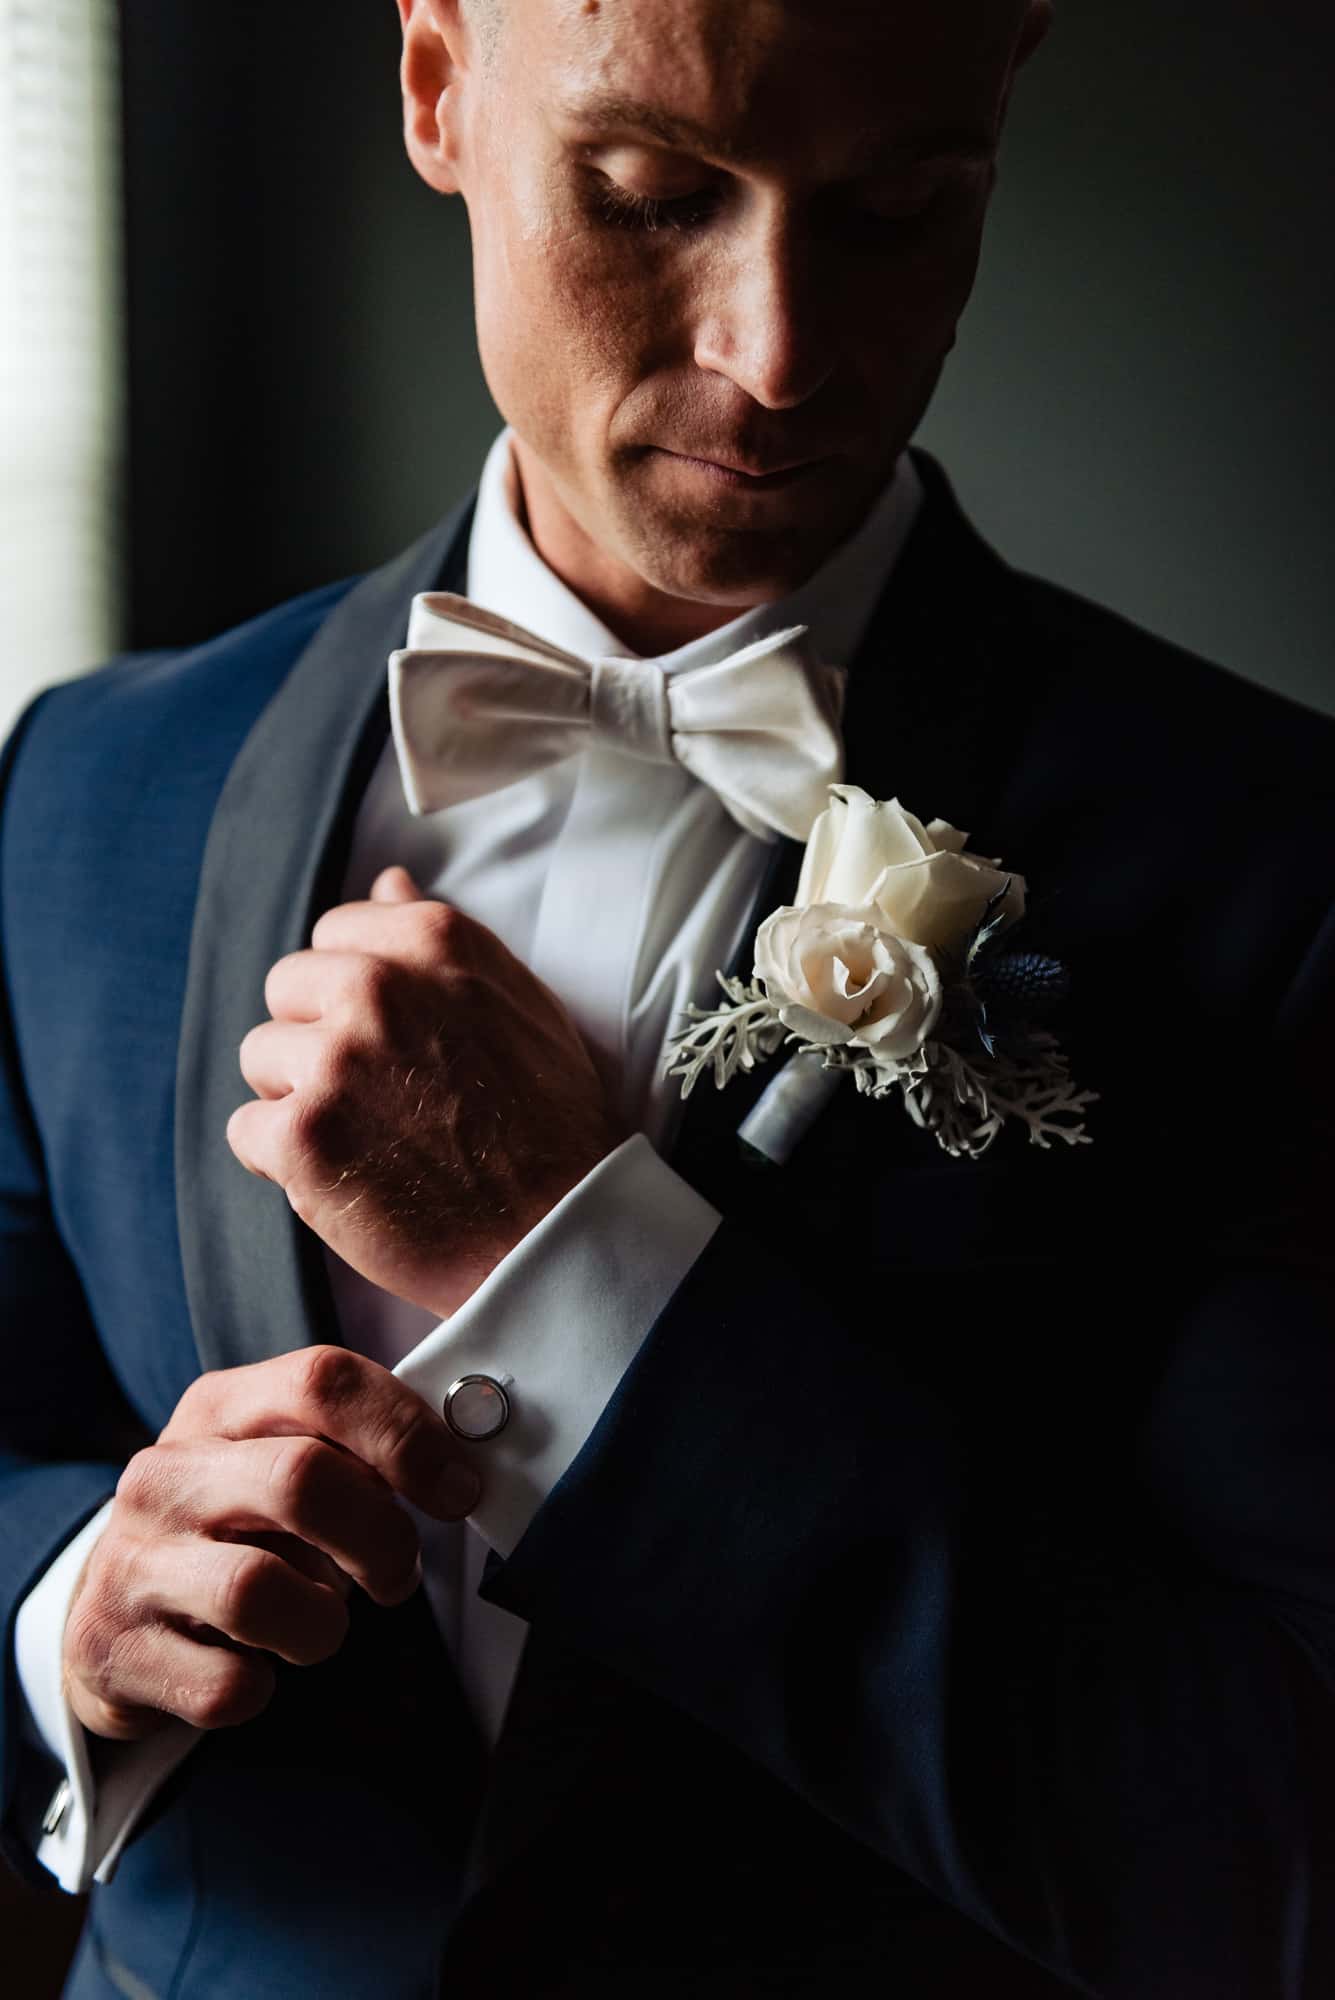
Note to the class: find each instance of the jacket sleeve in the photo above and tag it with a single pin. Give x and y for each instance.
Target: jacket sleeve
(65, 1430)
(1085, 1696)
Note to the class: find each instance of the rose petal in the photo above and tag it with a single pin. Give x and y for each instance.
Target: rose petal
(921, 837)
(945, 837)
(874, 836)
(854, 981)
(937, 901)
(902, 1031)
(773, 947)
(835, 961)
(822, 844)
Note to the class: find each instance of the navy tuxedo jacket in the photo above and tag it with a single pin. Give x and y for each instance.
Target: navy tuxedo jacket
(945, 1602)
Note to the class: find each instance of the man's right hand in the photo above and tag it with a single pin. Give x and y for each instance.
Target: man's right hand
(239, 1534)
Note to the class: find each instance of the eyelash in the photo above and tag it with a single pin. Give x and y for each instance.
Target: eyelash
(627, 210)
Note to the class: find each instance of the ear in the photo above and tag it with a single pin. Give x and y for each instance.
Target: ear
(1033, 29)
(434, 39)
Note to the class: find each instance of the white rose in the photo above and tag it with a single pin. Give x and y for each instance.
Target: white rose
(837, 975)
(865, 851)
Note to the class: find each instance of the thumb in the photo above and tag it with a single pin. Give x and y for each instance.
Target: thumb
(395, 885)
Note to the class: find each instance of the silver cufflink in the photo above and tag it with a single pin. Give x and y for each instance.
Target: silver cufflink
(476, 1408)
(59, 1806)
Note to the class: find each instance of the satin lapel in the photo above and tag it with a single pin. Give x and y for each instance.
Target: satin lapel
(275, 857)
(924, 721)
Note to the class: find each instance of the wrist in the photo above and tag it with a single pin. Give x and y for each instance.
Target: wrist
(466, 1273)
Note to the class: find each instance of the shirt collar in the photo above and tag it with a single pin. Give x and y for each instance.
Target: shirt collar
(507, 575)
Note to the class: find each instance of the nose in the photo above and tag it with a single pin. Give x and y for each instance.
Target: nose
(765, 323)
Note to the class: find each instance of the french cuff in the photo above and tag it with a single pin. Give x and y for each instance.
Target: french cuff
(558, 1322)
(87, 1821)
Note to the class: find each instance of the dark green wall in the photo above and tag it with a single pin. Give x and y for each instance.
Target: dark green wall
(1139, 405)
(1141, 402)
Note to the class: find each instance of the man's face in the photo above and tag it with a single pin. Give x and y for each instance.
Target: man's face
(713, 233)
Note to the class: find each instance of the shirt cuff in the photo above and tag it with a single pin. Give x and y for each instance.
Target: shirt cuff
(89, 1821)
(560, 1319)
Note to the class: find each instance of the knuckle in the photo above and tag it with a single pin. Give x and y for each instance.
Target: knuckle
(275, 981)
(313, 1126)
(140, 1486)
(328, 1378)
(297, 1478)
(248, 1044)
(197, 1404)
(235, 1690)
(126, 1578)
(247, 1591)
(334, 1065)
(441, 928)
(407, 1446)
(369, 992)
(129, 1664)
(304, 1202)
(90, 1643)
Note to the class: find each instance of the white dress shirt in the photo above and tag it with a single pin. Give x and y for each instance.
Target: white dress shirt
(623, 885)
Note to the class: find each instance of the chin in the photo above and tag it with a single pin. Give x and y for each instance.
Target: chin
(736, 569)
(733, 586)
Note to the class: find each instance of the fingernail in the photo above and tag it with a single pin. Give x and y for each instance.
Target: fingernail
(457, 1490)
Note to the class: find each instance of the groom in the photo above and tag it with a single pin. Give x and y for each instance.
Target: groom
(469, 1523)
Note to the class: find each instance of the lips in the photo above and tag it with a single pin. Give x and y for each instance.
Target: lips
(749, 468)
(753, 468)
(746, 476)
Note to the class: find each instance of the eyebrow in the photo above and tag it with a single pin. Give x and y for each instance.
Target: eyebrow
(610, 112)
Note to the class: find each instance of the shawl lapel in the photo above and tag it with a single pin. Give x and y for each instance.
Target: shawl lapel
(275, 856)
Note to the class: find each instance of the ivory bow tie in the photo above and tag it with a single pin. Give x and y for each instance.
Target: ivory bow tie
(478, 702)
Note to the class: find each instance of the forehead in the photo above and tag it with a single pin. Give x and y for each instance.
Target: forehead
(751, 81)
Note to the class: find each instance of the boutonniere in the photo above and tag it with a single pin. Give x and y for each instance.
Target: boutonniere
(894, 964)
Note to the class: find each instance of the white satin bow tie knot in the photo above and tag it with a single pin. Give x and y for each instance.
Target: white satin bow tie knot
(477, 702)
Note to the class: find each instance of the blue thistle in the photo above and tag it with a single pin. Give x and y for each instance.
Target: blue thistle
(1022, 982)
(1015, 988)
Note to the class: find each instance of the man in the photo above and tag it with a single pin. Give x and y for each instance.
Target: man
(879, 1571)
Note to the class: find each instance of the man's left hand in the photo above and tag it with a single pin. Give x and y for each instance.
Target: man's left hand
(423, 1099)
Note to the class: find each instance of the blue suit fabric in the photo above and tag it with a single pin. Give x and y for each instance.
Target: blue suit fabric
(945, 1602)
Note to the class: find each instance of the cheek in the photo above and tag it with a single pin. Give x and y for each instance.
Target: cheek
(612, 303)
(568, 322)
(928, 288)
(908, 318)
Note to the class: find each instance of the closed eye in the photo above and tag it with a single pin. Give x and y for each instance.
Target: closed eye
(903, 220)
(627, 210)
(622, 208)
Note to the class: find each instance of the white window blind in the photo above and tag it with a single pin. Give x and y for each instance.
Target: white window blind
(60, 343)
